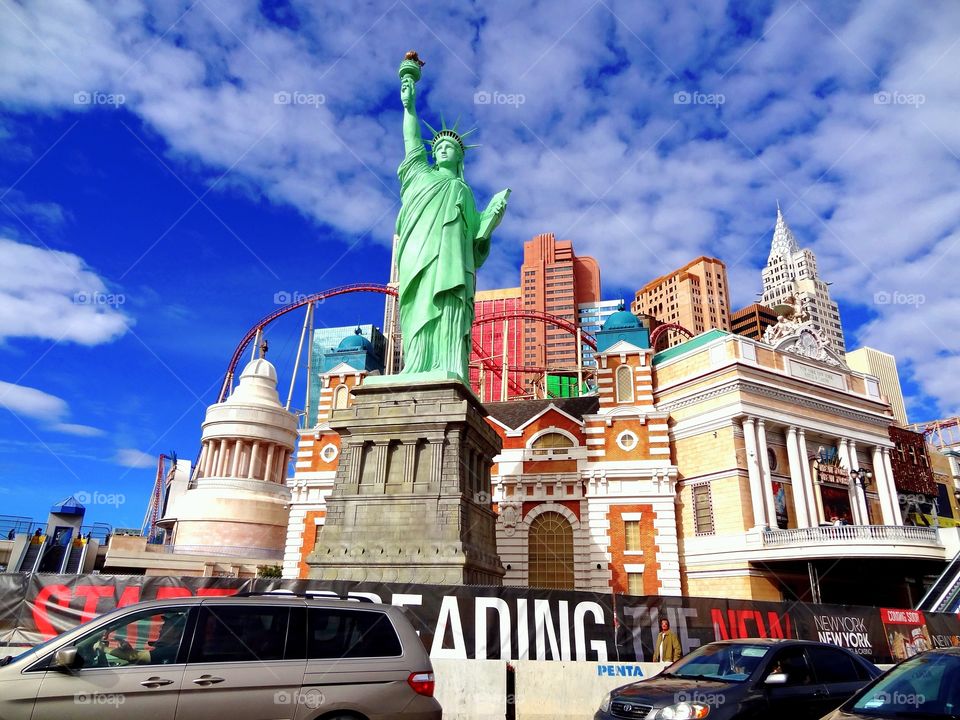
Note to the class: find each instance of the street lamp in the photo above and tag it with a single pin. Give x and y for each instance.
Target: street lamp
(861, 477)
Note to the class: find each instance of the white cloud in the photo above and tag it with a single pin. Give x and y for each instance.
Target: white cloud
(133, 458)
(598, 152)
(53, 295)
(35, 404)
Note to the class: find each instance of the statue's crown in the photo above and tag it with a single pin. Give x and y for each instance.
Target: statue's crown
(449, 133)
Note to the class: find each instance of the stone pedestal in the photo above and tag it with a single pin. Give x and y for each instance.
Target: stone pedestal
(411, 500)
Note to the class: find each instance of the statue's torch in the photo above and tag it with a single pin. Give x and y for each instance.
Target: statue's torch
(411, 66)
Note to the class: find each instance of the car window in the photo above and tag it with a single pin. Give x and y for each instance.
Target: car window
(148, 637)
(730, 662)
(792, 662)
(345, 633)
(239, 633)
(832, 665)
(927, 685)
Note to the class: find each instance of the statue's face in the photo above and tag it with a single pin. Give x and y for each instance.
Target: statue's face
(447, 154)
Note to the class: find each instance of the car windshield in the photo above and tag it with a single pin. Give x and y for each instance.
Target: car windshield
(728, 662)
(927, 685)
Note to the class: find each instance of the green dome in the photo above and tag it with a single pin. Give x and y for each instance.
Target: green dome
(355, 342)
(622, 320)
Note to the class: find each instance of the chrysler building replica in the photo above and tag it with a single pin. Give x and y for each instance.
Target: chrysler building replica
(791, 271)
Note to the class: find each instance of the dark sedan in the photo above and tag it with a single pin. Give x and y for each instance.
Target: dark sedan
(755, 678)
(925, 686)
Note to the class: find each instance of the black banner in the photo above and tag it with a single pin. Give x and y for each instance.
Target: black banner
(506, 623)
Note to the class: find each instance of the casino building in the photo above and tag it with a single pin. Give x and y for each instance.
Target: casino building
(725, 466)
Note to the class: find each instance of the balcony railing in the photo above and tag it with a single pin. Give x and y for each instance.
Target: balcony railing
(844, 533)
(257, 553)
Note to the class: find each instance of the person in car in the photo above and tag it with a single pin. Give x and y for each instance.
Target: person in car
(163, 650)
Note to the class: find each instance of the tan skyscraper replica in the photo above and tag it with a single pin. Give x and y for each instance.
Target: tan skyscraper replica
(695, 296)
(883, 366)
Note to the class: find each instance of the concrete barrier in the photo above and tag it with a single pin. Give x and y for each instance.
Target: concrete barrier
(551, 690)
(474, 689)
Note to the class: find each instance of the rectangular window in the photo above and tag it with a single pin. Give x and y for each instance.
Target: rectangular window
(634, 583)
(631, 535)
(239, 633)
(334, 633)
(702, 510)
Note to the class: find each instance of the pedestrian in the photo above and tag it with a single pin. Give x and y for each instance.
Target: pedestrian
(668, 644)
(12, 534)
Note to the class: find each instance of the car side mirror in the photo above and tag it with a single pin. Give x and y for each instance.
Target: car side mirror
(776, 679)
(65, 658)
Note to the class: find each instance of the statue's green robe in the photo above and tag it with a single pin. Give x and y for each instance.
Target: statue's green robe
(438, 254)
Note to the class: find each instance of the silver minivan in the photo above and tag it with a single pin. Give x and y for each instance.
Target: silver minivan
(242, 658)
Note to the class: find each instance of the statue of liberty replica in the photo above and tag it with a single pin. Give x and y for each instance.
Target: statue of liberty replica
(443, 240)
(411, 498)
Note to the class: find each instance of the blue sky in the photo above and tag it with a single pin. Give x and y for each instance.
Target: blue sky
(149, 162)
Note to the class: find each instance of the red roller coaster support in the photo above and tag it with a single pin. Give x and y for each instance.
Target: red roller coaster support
(299, 303)
(489, 364)
(661, 332)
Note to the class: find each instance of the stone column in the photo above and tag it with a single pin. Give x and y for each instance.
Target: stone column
(797, 479)
(810, 490)
(897, 515)
(409, 464)
(254, 453)
(222, 458)
(861, 488)
(767, 479)
(235, 460)
(887, 497)
(753, 472)
(201, 461)
(268, 464)
(207, 459)
(844, 455)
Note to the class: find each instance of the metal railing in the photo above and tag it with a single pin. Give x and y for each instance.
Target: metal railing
(236, 551)
(842, 533)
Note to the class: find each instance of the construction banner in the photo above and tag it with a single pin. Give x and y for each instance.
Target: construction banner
(507, 623)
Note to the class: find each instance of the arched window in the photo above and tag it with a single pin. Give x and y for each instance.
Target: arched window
(550, 552)
(624, 384)
(551, 443)
(340, 397)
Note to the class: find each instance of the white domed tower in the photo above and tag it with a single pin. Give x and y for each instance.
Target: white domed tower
(238, 499)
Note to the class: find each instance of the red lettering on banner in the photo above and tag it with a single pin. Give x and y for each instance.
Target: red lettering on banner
(217, 592)
(734, 626)
(776, 630)
(165, 593)
(41, 611)
(129, 596)
(92, 593)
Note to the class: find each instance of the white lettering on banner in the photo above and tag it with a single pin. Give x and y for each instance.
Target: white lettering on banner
(579, 631)
(449, 613)
(523, 633)
(551, 627)
(401, 599)
(482, 605)
(546, 630)
(844, 630)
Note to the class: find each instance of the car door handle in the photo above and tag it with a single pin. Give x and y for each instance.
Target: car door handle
(156, 682)
(205, 680)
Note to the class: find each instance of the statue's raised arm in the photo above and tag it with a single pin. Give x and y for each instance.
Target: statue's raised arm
(409, 75)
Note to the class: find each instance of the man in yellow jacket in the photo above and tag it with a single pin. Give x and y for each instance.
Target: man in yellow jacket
(667, 648)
